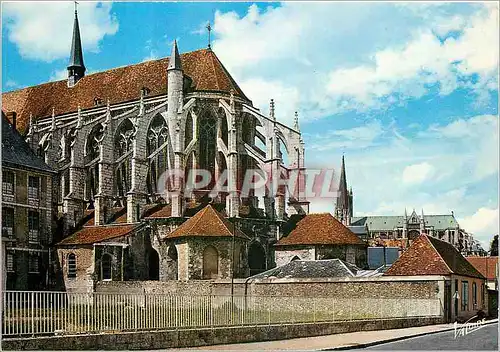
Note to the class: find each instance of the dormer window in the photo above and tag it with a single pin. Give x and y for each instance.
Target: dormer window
(97, 101)
(145, 91)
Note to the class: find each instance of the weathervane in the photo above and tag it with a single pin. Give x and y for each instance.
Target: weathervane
(209, 29)
(76, 4)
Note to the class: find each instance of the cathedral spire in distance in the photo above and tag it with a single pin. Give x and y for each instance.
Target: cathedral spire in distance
(76, 68)
(174, 63)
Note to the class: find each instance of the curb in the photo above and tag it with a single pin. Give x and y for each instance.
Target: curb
(380, 342)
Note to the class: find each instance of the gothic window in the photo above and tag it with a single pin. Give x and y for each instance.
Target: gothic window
(246, 130)
(106, 267)
(94, 139)
(207, 143)
(188, 132)
(157, 150)
(71, 265)
(210, 263)
(123, 147)
(224, 130)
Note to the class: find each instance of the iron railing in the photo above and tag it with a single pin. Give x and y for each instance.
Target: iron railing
(29, 313)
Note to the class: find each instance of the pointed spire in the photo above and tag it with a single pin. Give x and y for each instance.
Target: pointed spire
(174, 63)
(296, 122)
(76, 67)
(271, 110)
(343, 198)
(406, 214)
(53, 125)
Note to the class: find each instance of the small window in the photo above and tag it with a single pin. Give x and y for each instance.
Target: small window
(8, 182)
(33, 264)
(33, 226)
(97, 101)
(106, 267)
(10, 262)
(71, 265)
(33, 187)
(465, 295)
(8, 222)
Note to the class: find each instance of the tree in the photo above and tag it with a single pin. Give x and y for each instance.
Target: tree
(494, 246)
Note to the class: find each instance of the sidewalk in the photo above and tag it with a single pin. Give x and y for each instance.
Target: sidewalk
(337, 341)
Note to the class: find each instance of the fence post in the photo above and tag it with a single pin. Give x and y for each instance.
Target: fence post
(32, 313)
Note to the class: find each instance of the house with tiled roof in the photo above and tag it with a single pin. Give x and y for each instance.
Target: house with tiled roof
(27, 212)
(488, 267)
(464, 292)
(321, 236)
(126, 144)
(206, 246)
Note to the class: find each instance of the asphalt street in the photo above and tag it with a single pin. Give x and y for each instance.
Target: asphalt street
(483, 339)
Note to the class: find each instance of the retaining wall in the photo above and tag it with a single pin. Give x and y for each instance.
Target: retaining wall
(149, 340)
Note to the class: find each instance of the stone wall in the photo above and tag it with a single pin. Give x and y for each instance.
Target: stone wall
(206, 336)
(84, 268)
(379, 287)
(285, 256)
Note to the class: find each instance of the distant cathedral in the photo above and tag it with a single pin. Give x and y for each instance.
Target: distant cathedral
(400, 230)
(111, 135)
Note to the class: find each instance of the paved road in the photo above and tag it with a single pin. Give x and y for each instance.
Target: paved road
(484, 339)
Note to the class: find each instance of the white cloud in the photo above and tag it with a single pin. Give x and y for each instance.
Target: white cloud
(417, 173)
(48, 37)
(153, 55)
(483, 224)
(424, 61)
(58, 75)
(354, 138)
(356, 63)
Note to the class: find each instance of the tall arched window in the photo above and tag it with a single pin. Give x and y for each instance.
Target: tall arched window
(207, 142)
(71, 265)
(106, 267)
(91, 158)
(123, 146)
(157, 150)
(210, 263)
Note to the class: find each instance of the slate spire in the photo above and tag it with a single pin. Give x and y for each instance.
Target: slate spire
(343, 193)
(76, 68)
(174, 63)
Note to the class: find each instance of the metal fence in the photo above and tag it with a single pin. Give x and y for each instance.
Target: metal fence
(28, 313)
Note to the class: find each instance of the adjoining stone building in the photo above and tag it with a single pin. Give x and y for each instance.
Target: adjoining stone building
(27, 209)
(321, 236)
(465, 291)
(112, 137)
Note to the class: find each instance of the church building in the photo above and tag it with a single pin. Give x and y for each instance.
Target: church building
(113, 137)
(400, 231)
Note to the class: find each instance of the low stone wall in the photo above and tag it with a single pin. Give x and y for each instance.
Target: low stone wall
(378, 287)
(150, 340)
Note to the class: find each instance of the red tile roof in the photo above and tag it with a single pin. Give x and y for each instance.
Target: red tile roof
(119, 85)
(158, 211)
(94, 234)
(207, 222)
(487, 266)
(320, 229)
(429, 256)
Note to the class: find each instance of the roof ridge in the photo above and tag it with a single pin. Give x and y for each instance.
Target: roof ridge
(104, 71)
(437, 252)
(213, 69)
(223, 220)
(201, 212)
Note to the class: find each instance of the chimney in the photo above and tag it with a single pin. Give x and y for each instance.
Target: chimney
(12, 118)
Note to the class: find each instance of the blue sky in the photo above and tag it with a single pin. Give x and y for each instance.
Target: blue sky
(407, 91)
